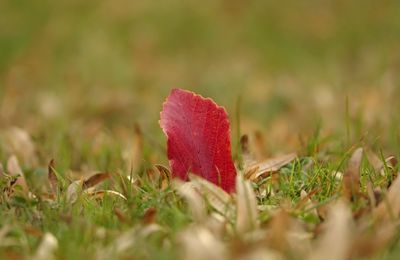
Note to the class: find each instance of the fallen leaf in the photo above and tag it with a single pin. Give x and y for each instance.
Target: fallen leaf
(269, 166)
(374, 160)
(247, 212)
(199, 243)
(165, 176)
(248, 158)
(132, 154)
(307, 204)
(72, 191)
(149, 216)
(120, 215)
(351, 177)
(219, 199)
(52, 177)
(261, 253)
(30, 230)
(194, 199)
(335, 242)
(378, 164)
(19, 142)
(371, 194)
(18, 182)
(13, 167)
(389, 207)
(95, 179)
(151, 175)
(19, 186)
(370, 243)
(1, 170)
(47, 248)
(279, 227)
(198, 131)
(127, 240)
(99, 194)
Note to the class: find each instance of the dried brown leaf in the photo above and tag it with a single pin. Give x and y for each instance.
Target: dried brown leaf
(127, 240)
(271, 165)
(244, 144)
(2, 174)
(391, 161)
(199, 243)
(52, 177)
(247, 212)
(219, 199)
(165, 176)
(18, 186)
(374, 160)
(120, 215)
(247, 157)
(13, 167)
(133, 153)
(351, 177)
(261, 253)
(48, 196)
(47, 248)
(194, 199)
(99, 194)
(151, 175)
(32, 231)
(371, 194)
(279, 226)
(378, 164)
(18, 141)
(72, 191)
(149, 216)
(249, 173)
(370, 244)
(95, 179)
(307, 203)
(258, 147)
(389, 207)
(335, 242)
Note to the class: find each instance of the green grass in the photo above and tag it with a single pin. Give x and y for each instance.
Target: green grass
(316, 78)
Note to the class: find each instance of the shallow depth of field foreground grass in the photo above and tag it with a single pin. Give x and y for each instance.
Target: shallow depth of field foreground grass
(312, 90)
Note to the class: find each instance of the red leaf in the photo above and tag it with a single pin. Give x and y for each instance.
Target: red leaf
(198, 138)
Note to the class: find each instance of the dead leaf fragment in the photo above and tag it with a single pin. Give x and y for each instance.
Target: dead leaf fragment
(1, 170)
(52, 178)
(165, 176)
(279, 227)
(18, 184)
(389, 207)
(199, 243)
(127, 240)
(351, 177)
(248, 158)
(247, 212)
(335, 242)
(19, 142)
(13, 167)
(99, 194)
(194, 199)
(269, 166)
(47, 248)
(219, 199)
(133, 152)
(72, 191)
(149, 216)
(95, 179)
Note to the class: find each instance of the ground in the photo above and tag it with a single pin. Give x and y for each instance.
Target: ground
(82, 83)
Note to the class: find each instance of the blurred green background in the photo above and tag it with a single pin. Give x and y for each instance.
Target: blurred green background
(81, 68)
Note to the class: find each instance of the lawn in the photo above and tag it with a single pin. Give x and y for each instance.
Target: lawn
(312, 92)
